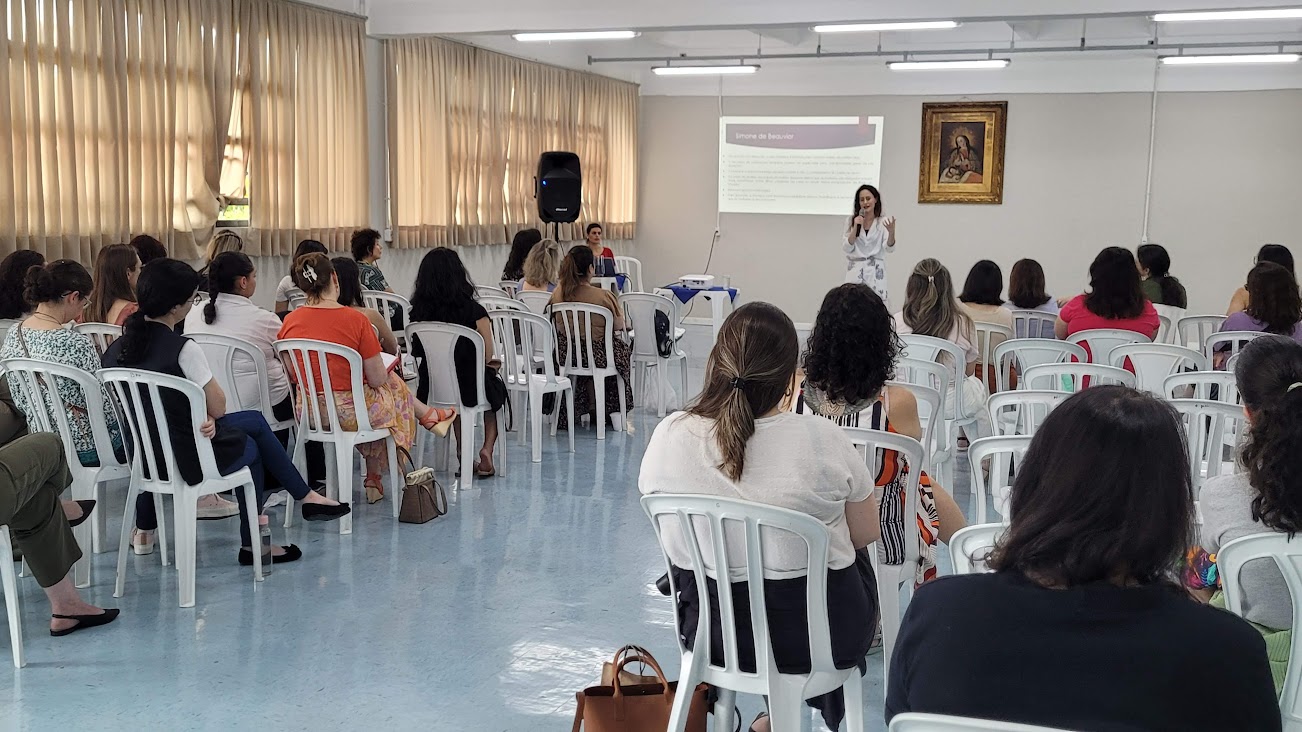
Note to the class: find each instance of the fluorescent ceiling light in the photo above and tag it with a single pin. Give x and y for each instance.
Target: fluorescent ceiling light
(1243, 58)
(703, 70)
(608, 35)
(1273, 14)
(903, 26)
(985, 63)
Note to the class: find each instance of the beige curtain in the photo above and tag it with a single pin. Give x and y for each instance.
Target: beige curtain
(303, 125)
(466, 127)
(114, 108)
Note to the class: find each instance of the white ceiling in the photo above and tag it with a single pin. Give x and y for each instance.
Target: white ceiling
(674, 28)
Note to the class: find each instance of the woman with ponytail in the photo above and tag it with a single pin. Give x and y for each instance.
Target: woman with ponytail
(13, 270)
(1267, 495)
(577, 271)
(167, 291)
(1156, 281)
(286, 289)
(930, 309)
(737, 441)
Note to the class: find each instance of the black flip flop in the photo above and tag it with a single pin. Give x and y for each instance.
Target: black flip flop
(85, 621)
(87, 506)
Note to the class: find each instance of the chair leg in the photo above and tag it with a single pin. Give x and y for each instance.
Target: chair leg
(623, 406)
(535, 424)
(500, 446)
(569, 414)
(10, 584)
(853, 689)
(344, 477)
(81, 570)
(888, 597)
(683, 701)
(785, 705)
(124, 544)
(161, 513)
(723, 708)
(396, 482)
(519, 411)
(251, 515)
(599, 395)
(468, 423)
(185, 508)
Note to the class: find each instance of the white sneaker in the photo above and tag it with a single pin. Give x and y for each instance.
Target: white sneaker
(215, 507)
(142, 542)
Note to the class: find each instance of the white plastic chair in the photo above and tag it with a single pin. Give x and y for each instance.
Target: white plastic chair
(1206, 424)
(502, 303)
(988, 337)
(1099, 342)
(101, 334)
(9, 580)
(932, 376)
(1034, 324)
(522, 335)
(296, 301)
(727, 533)
(1004, 453)
(1287, 554)
(317, 418)
(1070, 377)
(970, 546)
(930, 401)
(35, 380)
(1229, 343)
(1200, 385)
(489, 291)
(510, 287)
(915, 722)
(1164, 329)
(579, 357)
(1168, 316)
(640, 309)
(387, 303)
(535, 300)
(607, 283)
(140, 395)
(1153, 362)
(631, 267)
(1020, 412)
(1192, 330)
(893, 578)
(439, 341)
(224, 353)
(954, 360)
(1027, 352)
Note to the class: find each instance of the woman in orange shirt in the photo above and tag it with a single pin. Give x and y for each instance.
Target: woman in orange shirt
(389, 403)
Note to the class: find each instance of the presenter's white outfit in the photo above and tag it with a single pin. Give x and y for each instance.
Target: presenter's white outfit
(865, 256)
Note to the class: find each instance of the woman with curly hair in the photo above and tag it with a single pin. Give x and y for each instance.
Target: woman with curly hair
(849, 357)
(1267, 495)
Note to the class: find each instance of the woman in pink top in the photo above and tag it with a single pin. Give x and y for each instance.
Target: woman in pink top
(1115, 299)
(114, 298)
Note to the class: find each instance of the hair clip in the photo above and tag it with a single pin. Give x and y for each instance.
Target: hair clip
(309, 273)
(1294, 385)
(931, 279)
(738, 382)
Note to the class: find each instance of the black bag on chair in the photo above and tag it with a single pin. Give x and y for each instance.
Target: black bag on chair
(664, 335)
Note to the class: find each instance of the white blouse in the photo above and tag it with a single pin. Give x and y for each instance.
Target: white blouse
(872, 242)
(239, 318)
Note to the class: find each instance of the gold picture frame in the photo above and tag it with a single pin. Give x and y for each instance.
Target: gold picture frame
(963, 152)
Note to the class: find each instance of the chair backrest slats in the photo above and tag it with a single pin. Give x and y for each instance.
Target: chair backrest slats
(439, 341)
(140, 396)
(309, 361)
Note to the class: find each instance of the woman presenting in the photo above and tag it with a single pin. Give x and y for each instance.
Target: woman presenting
(868, 239)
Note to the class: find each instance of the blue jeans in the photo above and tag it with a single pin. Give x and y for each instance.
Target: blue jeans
(263, 456)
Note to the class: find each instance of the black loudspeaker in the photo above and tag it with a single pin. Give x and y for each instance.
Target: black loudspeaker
(559, 187)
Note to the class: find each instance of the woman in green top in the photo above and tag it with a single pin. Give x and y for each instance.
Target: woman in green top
(1157, 283)
(367, 250)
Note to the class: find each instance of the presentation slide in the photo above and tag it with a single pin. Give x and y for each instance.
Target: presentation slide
(796, 165)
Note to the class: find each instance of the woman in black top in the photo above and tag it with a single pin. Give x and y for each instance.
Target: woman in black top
(521, 245)
(1082, 625)
(166, 291)
(445, 294)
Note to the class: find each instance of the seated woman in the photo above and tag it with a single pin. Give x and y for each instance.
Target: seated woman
(13, 272)
(1155, 277)
(931, 309)
(1264, 497)
(1115, 300)
(521, 246)
(1276, 253)
(114, 300)
(1274, 306)
(1081, 625)
(167, 291)
(576, 286)
(445, 294)
(58, 293)
(542, 267)
(350, 295)
(736, 441)
(850, 354)
(982, 302)
(1026, 292)
(286, 289)
(389, 403)
(147, 248)
(32, 475)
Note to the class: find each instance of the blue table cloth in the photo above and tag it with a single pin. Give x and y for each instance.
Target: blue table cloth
(687, 293)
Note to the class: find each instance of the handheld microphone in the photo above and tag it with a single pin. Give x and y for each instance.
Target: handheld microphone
(859, 227)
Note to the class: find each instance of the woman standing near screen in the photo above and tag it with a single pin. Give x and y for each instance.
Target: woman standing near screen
(868, 239)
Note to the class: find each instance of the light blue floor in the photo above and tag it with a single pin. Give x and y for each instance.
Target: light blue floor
(489, 618)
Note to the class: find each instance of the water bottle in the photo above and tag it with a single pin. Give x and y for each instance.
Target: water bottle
(264, 528)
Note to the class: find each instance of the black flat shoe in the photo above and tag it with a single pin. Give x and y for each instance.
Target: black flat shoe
(85, 621)
(86, 507)
(292, 554)
(322, 512)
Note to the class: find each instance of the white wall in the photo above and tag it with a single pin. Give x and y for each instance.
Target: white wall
(1224, 183)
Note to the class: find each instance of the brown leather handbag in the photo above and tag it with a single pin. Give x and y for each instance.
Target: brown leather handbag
(423, 498)
(639, 707)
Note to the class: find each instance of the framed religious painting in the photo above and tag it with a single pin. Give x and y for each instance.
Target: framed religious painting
(962, 152)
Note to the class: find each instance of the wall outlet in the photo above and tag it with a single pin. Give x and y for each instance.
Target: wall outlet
(387, 234)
